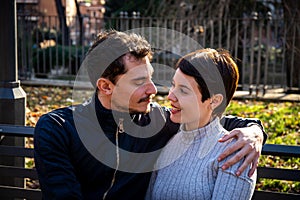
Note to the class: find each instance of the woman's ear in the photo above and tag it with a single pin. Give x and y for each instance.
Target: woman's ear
(105, 86)
(216, 100)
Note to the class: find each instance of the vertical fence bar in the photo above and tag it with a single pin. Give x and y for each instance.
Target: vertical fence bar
(57, 46)
(220, 33)
(127, 19)
(283, 66)
(37, 49)
(165, 46)
(212, 34)
(236, 43)
(50, 46)
(260, 24)
(204, 33)
(254, 18)
(274, 50)
(69, 49)
(181, 31)
(77, 42)
(267, 55)
(30, 46)
(293, 57)
(228, 34)
(244, 66)
(43, 49)
(63, 44)
(22, 35)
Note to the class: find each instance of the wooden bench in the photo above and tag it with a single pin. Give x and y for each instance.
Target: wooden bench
(7, 191)
(278, 173)
(18, 173)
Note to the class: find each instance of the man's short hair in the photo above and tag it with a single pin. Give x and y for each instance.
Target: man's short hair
(104, 58)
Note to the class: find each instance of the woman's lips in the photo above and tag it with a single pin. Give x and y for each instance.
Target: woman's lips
(175, 110)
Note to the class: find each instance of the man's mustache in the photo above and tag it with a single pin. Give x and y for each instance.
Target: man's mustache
(145, 98)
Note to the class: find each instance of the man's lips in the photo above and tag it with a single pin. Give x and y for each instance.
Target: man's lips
(146, 99)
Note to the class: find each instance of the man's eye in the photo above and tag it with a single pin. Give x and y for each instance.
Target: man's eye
(139, 82)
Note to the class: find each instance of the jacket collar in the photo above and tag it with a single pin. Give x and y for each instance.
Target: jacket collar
(112, 117)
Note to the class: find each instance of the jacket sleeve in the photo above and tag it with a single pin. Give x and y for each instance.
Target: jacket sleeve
(231, 122)
(55, 171)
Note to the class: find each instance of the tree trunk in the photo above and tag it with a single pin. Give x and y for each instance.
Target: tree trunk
(62, 21)
(79, 16)
(292, 53)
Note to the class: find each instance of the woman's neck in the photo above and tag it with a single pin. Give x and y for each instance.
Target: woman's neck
(202, 123)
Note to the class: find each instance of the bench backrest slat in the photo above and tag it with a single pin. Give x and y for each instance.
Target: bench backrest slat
(28, 194)
(264, 195)
(15, 130)
(16, 151)
(280, 174)
(281, 150)
(19, 172)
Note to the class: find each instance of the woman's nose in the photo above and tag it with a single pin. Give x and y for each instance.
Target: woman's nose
(171, 96)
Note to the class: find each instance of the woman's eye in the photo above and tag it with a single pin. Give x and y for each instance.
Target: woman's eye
(183, 91)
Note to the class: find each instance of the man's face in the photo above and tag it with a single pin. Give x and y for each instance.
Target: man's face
(134, 89)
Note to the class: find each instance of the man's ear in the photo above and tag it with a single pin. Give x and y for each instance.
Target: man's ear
(216, 100)
(105, 86)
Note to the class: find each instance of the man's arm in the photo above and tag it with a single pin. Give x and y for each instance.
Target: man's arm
(55, 171)
(250, 136)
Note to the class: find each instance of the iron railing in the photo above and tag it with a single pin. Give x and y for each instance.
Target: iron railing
(258, 43)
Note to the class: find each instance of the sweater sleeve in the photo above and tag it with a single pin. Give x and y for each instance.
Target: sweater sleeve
(55, 171)
(230, 186)
(151, 185)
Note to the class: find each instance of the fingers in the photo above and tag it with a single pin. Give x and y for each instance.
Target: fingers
(247, 146)
(237, 157)
(230, 150)
(232, 134)
(254, 166)
(248, 161)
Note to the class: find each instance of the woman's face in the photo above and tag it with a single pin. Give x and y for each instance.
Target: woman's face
(187, 107)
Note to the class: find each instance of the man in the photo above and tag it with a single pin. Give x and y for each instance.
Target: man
(106, 148)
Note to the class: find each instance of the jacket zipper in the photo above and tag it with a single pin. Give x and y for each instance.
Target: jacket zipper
(120, 129)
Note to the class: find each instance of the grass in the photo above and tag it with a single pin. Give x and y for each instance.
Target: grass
(281, 121)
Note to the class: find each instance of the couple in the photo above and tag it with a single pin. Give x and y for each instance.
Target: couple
(107, 147)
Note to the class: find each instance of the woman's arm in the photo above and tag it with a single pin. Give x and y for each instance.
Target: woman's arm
(230, 186)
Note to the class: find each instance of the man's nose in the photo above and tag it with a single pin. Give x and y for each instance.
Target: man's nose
(151, 88)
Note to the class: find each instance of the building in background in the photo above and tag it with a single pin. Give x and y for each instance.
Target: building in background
(44, 14)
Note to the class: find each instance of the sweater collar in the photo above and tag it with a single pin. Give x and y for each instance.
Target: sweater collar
(214, 127)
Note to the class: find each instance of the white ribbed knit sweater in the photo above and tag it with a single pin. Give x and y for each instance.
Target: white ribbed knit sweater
(188, 169)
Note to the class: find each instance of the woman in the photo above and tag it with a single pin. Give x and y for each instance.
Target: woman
(188, 167)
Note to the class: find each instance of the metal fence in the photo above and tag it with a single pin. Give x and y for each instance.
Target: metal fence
(44, 51)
